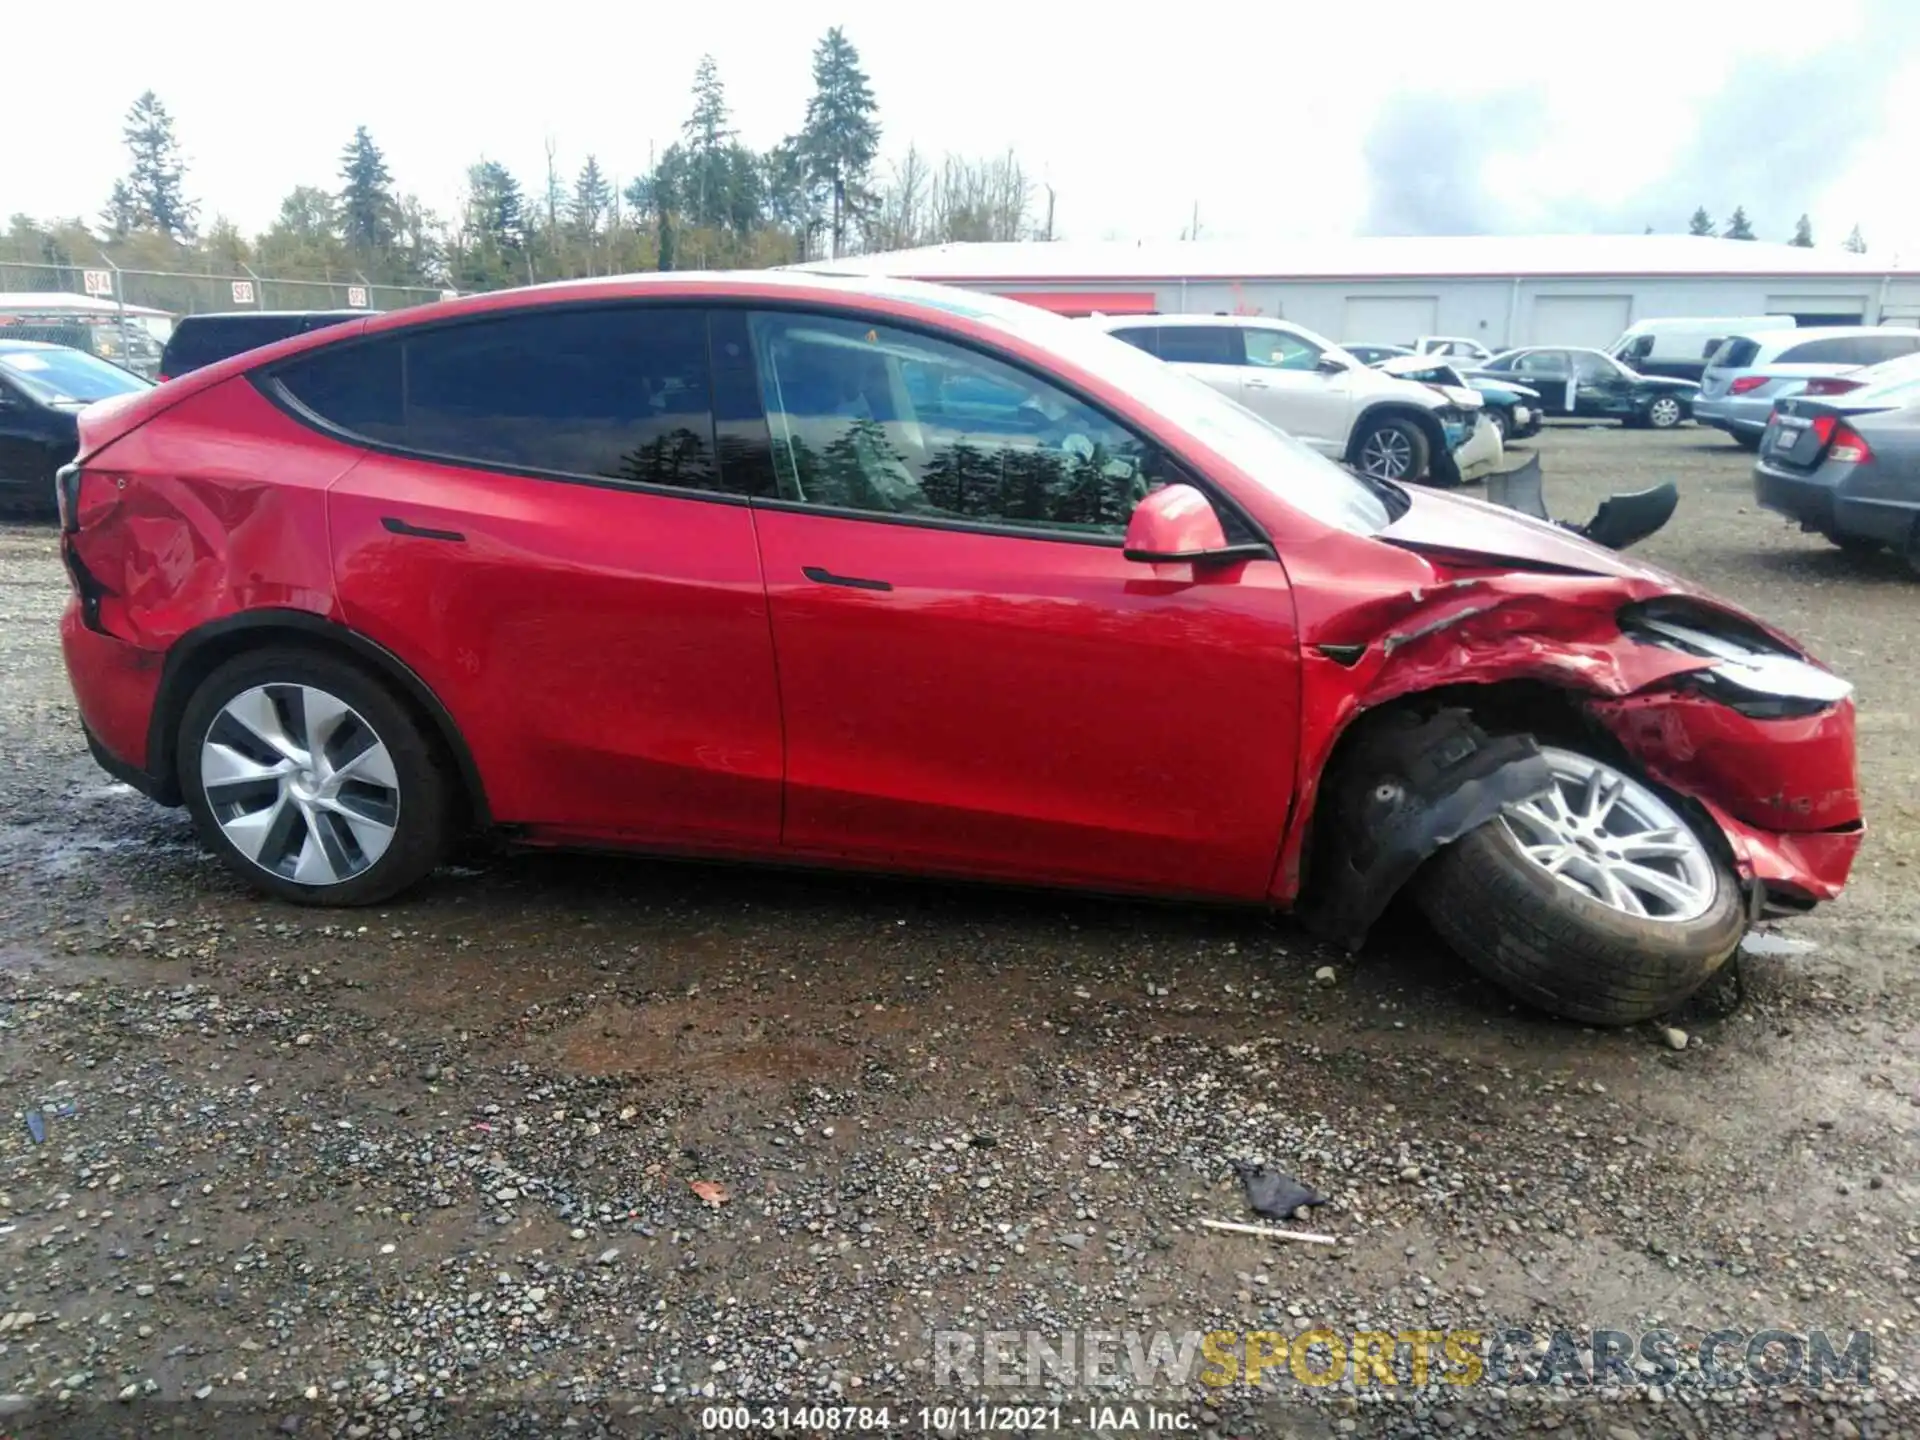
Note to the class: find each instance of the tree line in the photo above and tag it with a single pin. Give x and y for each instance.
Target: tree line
(1739, 227)
(707, 200)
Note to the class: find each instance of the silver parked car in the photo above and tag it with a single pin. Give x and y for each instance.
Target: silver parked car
(1848, 465)
(1749, 372)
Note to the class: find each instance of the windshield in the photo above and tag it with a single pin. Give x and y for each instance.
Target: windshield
(1288, 469)
(67, 377)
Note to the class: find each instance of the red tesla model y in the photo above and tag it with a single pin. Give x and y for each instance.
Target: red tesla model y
(875, 574)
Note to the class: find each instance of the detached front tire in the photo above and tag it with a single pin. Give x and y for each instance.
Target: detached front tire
(311, 780)
(1599, 902)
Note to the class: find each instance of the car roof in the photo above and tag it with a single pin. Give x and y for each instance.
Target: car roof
(1787, 339)
(31, 345)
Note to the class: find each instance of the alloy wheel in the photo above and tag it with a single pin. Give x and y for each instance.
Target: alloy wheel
(1386, 454)
(300, 784)
(1608, 837)
(1664, 413)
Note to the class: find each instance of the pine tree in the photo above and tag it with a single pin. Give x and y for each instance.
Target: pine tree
(369, 214)
(1701, 224)
(841, 135)
(1855, 241)
(122, 215)
(155, 184)
(492, 243)
(1738, 227)
(592, 201)
(1802, 233)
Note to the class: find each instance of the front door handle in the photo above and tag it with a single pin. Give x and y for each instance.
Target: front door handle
(396, 526)
(1253, 384)
(821, 576)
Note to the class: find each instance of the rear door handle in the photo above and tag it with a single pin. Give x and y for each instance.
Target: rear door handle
(395, 525)
(821, 576)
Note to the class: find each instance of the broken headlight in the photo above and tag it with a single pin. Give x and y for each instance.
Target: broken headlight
(1752, 674)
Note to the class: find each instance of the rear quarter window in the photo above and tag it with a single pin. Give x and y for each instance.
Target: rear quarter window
(1734, 353)
(1141, 337)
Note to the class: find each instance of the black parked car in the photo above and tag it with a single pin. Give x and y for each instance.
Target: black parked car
(43, 389)
(1593, 383)
(202, 339)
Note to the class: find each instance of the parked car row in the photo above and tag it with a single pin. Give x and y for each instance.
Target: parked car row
(1750, 373)
(1385, 426)
(43, 389)
(873, 574)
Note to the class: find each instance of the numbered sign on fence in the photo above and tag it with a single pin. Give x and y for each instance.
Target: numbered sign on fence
(243, 292)
(357, 296)
(98, 282)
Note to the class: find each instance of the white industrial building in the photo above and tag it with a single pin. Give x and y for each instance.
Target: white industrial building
(1502, 290)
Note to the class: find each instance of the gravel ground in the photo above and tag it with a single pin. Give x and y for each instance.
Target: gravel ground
(433, 1168)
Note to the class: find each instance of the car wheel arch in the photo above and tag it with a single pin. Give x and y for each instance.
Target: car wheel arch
(196, 655)
(1396, 409)
(1338, 899)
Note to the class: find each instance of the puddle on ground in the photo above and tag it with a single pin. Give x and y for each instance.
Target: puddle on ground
(1770, 946)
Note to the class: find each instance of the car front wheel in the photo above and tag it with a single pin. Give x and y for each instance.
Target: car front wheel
(1599, 901)
(311, 780)
(1392, 449)
(1664, 412)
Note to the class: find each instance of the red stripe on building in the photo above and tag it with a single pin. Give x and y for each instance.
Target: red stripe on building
(1087, 302)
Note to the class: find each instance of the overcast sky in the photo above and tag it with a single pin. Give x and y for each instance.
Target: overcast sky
(1278, 118)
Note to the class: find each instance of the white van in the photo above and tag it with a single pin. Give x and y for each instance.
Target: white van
(1680, 347)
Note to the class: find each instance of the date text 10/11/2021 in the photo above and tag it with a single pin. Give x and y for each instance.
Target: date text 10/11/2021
(945, 1419)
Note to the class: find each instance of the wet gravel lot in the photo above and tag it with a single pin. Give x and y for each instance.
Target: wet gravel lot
(584, 1142)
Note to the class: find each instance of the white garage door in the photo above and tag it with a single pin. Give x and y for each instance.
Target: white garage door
(1591, 320)
(1820, 309)
(1389, 319)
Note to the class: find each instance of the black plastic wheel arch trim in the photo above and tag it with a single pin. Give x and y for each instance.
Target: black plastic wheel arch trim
(170, 702)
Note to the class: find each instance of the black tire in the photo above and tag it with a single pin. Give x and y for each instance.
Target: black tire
(1558, 950)
(1744, 441)
(423, 826)
(1410, 438)
(1856, 545)
(1663, 412)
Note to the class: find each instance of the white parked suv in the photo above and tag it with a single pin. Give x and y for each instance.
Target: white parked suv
(1309, 387)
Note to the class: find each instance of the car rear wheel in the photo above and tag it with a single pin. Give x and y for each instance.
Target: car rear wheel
(1664, 412)
(1600, 901)
(1392, 449)
(1744, 440)
(310, 780)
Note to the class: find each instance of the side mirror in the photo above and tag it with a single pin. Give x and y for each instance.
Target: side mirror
(1177, 525)
(1330, 365)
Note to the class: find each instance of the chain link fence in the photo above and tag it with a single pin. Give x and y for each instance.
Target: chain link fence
(177, 293)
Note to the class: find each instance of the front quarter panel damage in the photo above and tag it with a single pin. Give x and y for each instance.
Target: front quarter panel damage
(1782, 791)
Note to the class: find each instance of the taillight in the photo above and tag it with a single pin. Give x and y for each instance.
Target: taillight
(1746, 383)
(1849, 447)
(1830, 385)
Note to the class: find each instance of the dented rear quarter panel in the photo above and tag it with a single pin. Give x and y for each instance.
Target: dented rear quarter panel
(221, 509)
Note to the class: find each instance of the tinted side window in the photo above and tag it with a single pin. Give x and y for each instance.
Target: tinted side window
(1589, 366)
(1201, 345)
(1735, 353)
(890, 422)
(1542, 363)
(1141, 337)
(620, 393)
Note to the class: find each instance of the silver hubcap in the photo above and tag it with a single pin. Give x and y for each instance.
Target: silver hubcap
(1387, 454)
(1609, 837)
(300, 784)
(1665, 413)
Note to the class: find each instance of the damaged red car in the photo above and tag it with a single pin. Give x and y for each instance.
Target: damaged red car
(872, 574)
